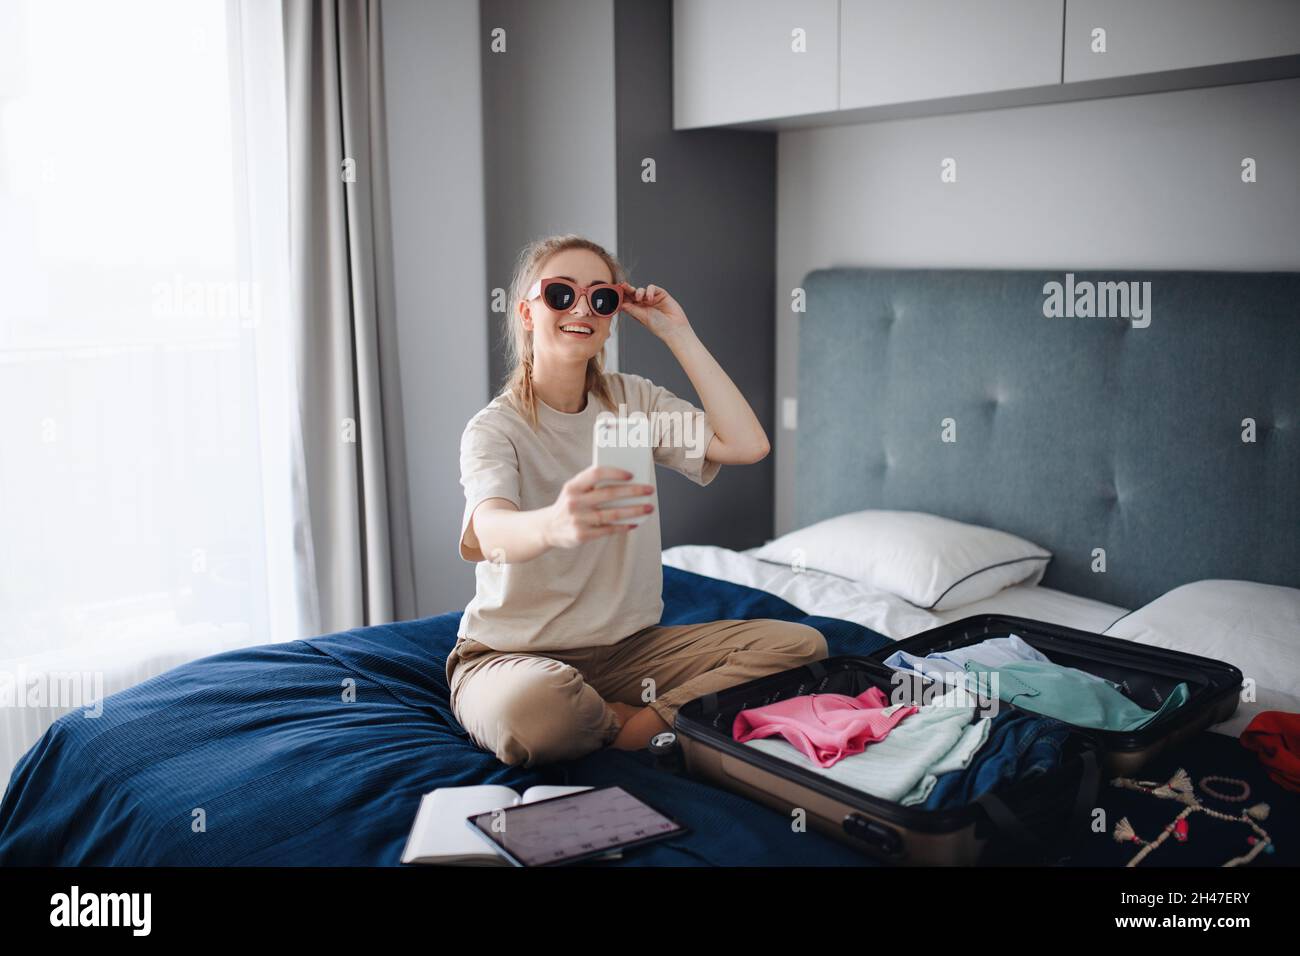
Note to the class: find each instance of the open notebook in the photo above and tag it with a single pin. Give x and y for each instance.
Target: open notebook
(441, 835)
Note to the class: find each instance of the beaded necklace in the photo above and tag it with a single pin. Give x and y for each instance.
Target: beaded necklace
(1180, 788)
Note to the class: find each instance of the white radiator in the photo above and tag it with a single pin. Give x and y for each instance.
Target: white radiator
(38, 689)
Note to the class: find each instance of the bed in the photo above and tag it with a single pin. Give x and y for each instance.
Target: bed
(1143, 457)
(894, 617)
(1079, 434)
(256, 757)
(878, 609)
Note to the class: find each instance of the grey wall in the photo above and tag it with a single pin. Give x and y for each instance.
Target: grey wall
(548, 136)
(435, 155)
(490, 150)
(581, 96)
(706, 231)
(1141, 182)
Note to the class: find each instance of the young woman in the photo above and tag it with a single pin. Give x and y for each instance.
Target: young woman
(560, 652)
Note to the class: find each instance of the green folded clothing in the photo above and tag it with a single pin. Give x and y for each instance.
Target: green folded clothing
(1056, 691)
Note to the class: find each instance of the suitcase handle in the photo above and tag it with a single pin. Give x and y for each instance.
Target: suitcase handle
(1010, 826)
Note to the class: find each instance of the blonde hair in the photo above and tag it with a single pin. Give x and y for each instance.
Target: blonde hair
(518, 388)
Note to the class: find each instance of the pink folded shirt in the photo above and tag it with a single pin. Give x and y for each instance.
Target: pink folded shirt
(824, 727)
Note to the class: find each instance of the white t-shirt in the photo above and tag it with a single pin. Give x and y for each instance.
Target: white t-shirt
(605, 589)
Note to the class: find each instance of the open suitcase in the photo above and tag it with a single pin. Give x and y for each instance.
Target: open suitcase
(1026, 820)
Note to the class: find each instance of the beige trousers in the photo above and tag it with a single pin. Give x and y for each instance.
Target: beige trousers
(535, 708)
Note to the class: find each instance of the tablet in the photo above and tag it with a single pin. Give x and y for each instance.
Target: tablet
(572, 827)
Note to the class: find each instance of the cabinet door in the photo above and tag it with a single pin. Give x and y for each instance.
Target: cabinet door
(1149, 36)
(896, 52)
(740, 60)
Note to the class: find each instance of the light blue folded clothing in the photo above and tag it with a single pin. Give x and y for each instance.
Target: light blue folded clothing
(939, 738)
(992, 652)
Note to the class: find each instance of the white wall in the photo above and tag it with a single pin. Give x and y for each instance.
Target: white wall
(435, 158)
(1141, 182)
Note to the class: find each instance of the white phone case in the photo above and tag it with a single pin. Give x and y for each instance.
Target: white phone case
(638, 459)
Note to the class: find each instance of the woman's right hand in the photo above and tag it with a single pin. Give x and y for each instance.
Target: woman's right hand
(577, 515)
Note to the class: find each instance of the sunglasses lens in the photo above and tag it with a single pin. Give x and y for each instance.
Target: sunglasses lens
(560, 296)
(604, 301)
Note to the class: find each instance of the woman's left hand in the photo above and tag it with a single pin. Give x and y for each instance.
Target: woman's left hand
(654, 308)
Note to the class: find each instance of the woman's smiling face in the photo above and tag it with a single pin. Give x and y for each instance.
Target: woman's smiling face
(565, 334)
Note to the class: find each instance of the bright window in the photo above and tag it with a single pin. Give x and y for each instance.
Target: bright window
(145, 514)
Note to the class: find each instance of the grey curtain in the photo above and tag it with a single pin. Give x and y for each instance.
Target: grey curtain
(357, 543)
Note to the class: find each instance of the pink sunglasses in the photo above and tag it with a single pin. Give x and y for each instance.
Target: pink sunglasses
(563, 294)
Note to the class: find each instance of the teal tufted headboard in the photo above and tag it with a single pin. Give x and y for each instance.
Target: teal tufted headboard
(1082, 434)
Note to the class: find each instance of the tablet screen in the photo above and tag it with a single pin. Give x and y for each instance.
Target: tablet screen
(573, 827)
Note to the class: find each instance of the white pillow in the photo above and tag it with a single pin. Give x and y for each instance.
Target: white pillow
(932, 562)
(1255, 627)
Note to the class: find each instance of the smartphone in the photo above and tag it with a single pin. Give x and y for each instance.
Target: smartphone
(625, 443)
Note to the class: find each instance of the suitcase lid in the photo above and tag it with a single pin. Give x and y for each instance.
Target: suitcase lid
(1146, 674)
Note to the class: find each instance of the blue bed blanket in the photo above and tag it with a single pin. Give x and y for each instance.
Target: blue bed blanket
(316, 752)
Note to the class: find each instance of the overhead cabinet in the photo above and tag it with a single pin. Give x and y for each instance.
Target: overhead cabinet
(893, 52)
(1113, 38)
(741, 60)
(773, 64)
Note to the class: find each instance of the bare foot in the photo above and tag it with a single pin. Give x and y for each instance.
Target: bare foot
(638, 727)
